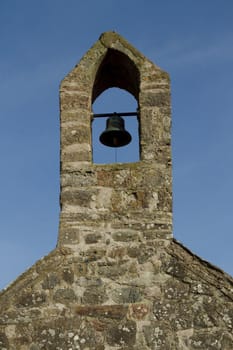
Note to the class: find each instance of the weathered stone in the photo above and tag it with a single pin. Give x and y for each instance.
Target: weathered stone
(68, 275)
(79, 178)
(34, 347)
(78, 197)
(139, 311)
(4, 341)
(159, 336)
(213, 341)
(117, 252)
(127, 295)
(69, 235)
(175, 268)
(175, 289)
(133, 251)
(90, 282)
(31, 299)
(117, 279)
(94, 295)
(72, 102)
(80, 269)
(105, 311)
(125, 236)
(122, 334)
(64, 295)
(145, 252)
(155, 99)
(94, 254)
(50, 281)
(112, 270)
(92, 238)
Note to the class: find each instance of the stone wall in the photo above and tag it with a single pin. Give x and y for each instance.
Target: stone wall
(108, 200)
(135, 295)
(117, 279)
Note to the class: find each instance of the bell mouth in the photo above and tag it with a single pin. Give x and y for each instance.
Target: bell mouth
(115, 138)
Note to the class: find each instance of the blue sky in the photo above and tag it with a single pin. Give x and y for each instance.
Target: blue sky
(41, 41)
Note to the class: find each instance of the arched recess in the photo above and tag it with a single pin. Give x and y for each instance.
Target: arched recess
(116, 71)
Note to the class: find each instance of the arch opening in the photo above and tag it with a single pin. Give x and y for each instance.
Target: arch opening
(117, 81)
(110, 101)
(116, 70)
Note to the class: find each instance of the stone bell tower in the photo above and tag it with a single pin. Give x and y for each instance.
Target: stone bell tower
(117, 279)
(108, 204)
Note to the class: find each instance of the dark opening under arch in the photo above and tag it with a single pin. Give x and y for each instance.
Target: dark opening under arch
(116, 70)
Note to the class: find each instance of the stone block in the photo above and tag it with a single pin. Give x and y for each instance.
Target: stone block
(66, 295)
(122, 334)
(117, 312)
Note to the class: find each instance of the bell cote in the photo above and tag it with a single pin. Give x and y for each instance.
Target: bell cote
(109, 203)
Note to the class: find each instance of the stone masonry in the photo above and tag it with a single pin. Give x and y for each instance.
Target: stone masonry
(117, 278)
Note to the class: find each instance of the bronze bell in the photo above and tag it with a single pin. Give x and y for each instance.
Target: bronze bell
(115, 134)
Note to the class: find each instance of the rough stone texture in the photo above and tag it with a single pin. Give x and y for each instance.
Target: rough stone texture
(115, 202)
(117, 279)
(169, 300)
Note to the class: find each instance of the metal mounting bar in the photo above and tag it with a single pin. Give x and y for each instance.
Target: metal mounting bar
(123, 114)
